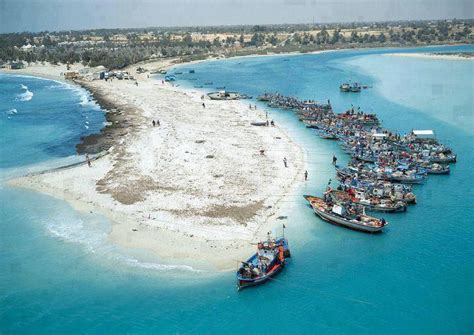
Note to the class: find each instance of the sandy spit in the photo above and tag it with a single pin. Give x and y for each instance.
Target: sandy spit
(196, 188)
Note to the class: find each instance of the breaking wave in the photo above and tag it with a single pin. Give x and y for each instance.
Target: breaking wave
(27, 95)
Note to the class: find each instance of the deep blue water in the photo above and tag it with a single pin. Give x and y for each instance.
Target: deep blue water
(41, 119)
(59, 274)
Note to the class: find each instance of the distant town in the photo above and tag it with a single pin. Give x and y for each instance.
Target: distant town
(118, 48)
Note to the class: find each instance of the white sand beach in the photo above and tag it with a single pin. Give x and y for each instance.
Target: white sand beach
(431, 56)
(194, 188)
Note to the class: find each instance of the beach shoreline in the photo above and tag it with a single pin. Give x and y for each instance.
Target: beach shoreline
(181, 190)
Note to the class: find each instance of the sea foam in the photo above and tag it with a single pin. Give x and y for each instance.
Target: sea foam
(27, 95)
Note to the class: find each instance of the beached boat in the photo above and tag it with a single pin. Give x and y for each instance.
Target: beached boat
(339, 215)
(270, 259)
(170, 78)
(259, 123)
(224, 95)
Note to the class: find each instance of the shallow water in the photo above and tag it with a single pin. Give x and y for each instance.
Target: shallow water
(60, 274)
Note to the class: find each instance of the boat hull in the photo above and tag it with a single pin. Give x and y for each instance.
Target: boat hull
(346, 223)
(244, 283)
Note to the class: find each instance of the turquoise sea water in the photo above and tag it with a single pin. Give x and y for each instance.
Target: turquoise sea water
(59, 275)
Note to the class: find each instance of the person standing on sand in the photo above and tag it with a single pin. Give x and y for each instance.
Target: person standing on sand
(285, 162)
(158, 122)
(306, 175)
(88, 160)
(153, 122)
(203, 105)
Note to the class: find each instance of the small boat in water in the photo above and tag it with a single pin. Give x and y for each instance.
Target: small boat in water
(345, 87)
(224, 95)
(337, 214)
(191, 71)
(354, 87)
(270, 259)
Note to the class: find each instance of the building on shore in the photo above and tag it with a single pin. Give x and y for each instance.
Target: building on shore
(15, 65)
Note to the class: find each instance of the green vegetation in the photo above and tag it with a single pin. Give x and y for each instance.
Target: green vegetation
(117, 48)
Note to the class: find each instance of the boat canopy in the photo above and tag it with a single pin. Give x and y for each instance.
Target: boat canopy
(337, 209)
(424, 133)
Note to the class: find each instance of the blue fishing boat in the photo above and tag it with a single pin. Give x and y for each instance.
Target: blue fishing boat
(269, 260)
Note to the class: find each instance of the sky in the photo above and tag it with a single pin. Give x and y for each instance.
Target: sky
(53, 15)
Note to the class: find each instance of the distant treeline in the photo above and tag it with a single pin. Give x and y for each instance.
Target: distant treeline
(117, 48)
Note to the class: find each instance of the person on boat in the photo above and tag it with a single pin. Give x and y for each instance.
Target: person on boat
(281, 254)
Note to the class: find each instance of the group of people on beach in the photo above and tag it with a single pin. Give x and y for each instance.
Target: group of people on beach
(155, 123)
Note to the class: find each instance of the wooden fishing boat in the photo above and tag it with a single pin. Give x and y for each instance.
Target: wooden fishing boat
(224, 95)
(376, 204)
(404, 179)
(264, 97)
(443, 159)
(269, 260)
(258, 123)
(345, 87)
(438, 169)
(337, 214)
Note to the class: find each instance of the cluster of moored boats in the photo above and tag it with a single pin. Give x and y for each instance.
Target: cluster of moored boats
(379, 177)
(383, 168)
